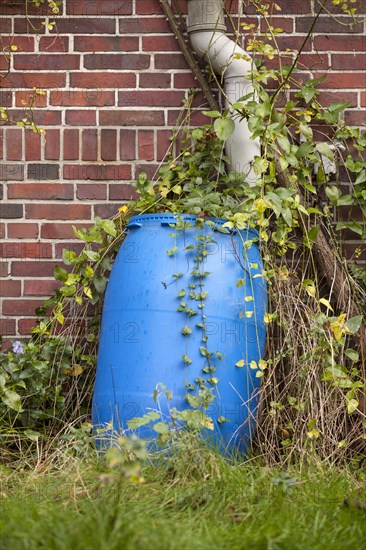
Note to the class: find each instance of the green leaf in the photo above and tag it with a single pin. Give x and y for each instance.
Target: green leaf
(287, 216)
(109, 227)
(224, 128)
(186, 359)
(260, 165)
(323, 148)
(161, 428)
(100, 283)
(352, 354)
(352, 405)
(12, 400)
(284, 143)
(68, 257)
(60, 274)
(194, 401)
(212, 114)
(186, 330)
(354, 323)
(333, 193)
(312, 234)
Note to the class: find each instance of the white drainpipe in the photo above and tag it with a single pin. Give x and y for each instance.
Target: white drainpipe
(206, 28)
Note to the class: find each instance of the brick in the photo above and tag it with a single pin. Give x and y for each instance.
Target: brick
(11, 172)
(356, 117)
(46, 118)
(121, 192)
(23, 230)
(99, 80)
(184, 80)
(33, 145)
(59, 230)
(170, 61)
(27, 97)
(143, 25)
(21, 307)
(343, 80)
(90, 144)
(35, 80)
(23, 43)
(47, 62)
(86, 25)
(53, 44)
(107, 7)
(314, 61)
(5, 25)
(2, 230)
(10, 288)
(6, 98)
(28, 25)
(363, 99)
(7, 327)
(33, 268)
(71, 144)
(146, 144)
(119, 61)
(160, 98)
(24, 250)
(284, 23)
(333, 43)
(128, 144)
(11, 211)
(75, 247)
(40, 191)
(350, 62)
(85, 98)
(106, 210)
(108, 142)
(4, 269)
(154, 80)
(1, 144)
(326, 98)
(42, 287)
(160, 44)
(196, 119)
(57, 211)
(81, 118)
(148, 7)
(106, 43)
(25, 325)
(328, 25)
(163, 143)
(43, 172)
(131, 118)
(91, 191)
(97, 172)
(149, 169)
(52, 145)
(14, 144)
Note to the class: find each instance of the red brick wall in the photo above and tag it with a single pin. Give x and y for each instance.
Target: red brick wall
(114, 79)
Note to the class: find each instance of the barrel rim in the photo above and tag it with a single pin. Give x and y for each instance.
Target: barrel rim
(168, 217)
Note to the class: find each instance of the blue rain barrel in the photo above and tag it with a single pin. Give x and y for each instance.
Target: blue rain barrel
(141, 344)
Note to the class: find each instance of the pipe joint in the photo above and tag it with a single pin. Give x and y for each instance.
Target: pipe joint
(205, 15)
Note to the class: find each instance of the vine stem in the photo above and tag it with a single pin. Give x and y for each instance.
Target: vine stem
(293, 66)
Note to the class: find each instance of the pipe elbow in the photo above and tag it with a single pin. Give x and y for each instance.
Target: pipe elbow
(223, 54)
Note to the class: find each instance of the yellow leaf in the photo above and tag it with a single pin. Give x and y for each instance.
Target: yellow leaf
(253, 365)
(352, 405)
(259, 374)
(249, 314)
(74, 370)
(313, 434)
(123, 209)
(326, 303)
(240, 363)
(79, 300)
(311, 290)
(88, 292)
(262, 364)
(248, 298)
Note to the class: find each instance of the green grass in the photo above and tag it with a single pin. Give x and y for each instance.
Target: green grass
(194, 504)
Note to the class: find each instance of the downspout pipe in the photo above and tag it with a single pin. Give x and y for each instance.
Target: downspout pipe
(207, 31)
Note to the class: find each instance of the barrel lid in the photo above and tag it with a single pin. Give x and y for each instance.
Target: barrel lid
(167, 218)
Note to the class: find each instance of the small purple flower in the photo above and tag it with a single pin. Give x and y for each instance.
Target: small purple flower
(17, 347)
